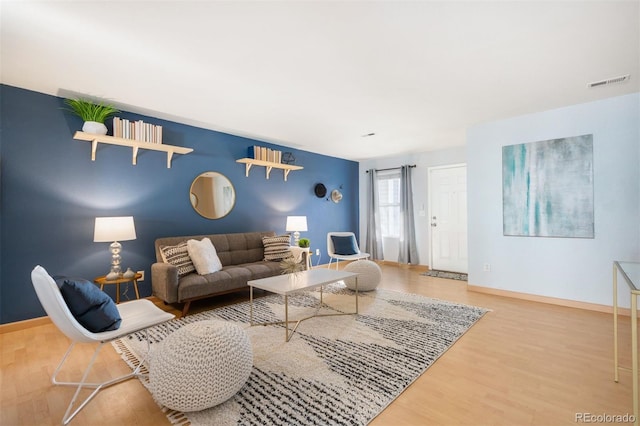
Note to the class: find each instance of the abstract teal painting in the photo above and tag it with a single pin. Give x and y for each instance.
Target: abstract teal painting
(547, 188)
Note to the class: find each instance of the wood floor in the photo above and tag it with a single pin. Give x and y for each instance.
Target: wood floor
(523, 363)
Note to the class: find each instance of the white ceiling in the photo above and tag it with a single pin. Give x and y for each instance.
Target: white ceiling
(319, 75)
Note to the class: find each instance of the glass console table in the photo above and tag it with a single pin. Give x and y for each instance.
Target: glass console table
(630, 271)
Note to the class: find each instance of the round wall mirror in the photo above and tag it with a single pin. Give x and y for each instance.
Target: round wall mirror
(212, 195)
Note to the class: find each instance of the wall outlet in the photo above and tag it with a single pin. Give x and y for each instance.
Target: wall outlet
(142, 277)
(317, 252)
(486, 267)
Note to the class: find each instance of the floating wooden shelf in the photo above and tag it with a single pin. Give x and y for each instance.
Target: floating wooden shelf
(135, 145)
(248, 162)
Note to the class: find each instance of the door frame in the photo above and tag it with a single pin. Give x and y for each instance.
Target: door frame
(429, 204)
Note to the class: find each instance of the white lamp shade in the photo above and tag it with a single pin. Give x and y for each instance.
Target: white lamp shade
(110, 229)
(296, 223)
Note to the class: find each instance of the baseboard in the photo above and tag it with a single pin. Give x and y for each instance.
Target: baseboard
(549, 300)
(421, 268)
(23, 325)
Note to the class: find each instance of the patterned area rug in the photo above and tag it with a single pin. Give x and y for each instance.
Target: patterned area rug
(445, 274)
(341, 370)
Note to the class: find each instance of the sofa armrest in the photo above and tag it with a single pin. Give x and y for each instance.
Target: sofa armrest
(164, 282)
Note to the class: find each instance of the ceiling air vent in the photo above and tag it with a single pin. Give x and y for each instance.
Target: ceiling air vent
(612, 80)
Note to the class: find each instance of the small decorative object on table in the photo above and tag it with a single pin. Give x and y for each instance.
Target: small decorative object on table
(128, 273)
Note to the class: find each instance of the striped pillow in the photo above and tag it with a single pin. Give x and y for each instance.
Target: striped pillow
(276, 248)
(178, 256)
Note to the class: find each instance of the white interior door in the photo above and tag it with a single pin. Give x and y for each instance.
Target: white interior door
(448, 217)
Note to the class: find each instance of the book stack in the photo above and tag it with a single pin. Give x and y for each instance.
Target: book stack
(265, 154)
(137, 130)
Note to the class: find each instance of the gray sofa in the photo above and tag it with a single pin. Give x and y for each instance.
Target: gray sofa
(242, 257)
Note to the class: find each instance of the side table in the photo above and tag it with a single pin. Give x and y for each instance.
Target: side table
(305, 252)
(306, 255)
(102, 280)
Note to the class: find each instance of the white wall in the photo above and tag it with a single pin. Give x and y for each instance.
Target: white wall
(567, 268)
(420, 194)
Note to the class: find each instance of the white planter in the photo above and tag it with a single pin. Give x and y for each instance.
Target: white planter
(94, 127)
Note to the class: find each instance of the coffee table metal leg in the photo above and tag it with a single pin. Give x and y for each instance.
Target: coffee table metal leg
(251, 305)
(290, 332)
(356, 295)
(286, 318)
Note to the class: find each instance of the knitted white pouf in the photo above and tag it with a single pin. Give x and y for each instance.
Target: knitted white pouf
(369, 278)
(200, 365)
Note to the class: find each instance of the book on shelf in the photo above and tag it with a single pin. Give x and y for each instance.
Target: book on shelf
(137, 130)
(263, 153)
(252, 152)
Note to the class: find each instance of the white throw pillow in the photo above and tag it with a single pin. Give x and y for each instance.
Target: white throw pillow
(203, 255)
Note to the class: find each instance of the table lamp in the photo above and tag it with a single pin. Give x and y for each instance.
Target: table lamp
(296, 224)
(114, 229)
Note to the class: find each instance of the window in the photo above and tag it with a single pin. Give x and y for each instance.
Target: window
(389, 203)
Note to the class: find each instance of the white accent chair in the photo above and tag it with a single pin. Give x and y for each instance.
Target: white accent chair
(136, 315)
(337, 257)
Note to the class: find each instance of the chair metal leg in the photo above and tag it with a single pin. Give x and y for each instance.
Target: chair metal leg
(68, 415)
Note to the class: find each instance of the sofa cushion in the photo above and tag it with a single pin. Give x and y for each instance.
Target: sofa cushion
(203, 255)
(276, 248)
(178, 256)
(263, 269)
(229, 278)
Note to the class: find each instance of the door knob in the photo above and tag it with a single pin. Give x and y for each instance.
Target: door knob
(434, 224)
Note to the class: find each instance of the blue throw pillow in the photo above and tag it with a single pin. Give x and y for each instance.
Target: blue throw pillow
(91, 307)
(344, 245)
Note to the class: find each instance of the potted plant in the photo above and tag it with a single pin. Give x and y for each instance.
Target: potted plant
(304, 242)
(93, 114)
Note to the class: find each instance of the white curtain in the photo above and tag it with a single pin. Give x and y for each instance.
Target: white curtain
(373, 242)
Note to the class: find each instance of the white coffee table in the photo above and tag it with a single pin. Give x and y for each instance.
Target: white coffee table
(292, 283)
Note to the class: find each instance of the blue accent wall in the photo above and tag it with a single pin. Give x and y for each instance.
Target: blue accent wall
(51, 193)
